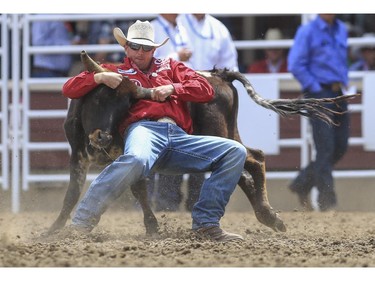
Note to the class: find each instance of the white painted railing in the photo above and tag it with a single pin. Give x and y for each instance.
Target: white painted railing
(4, 123)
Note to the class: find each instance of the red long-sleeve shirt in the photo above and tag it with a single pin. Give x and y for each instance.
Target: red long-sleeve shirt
(261, 66)
(189, 87)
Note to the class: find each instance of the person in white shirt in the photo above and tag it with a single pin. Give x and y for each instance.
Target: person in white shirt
(178, 46)
(164, 191)
(212, 43)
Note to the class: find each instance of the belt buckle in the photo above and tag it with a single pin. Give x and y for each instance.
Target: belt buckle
(336, 87)
(166, 120)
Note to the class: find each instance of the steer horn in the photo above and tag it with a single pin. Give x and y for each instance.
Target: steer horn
(90, 64)
(126, 86)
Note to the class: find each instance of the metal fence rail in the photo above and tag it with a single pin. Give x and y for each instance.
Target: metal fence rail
(4, 177)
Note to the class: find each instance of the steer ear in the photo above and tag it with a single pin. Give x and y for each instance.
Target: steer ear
(90, 64)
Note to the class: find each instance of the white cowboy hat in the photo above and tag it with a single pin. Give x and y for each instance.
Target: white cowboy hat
(273, 34)
(141, 32)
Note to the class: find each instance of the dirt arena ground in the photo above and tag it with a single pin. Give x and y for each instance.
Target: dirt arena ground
(331, 239)
(341, 239)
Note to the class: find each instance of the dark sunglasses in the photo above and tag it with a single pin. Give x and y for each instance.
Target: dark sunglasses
(136, 47)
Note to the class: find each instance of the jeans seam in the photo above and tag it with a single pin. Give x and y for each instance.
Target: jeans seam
(191, 154)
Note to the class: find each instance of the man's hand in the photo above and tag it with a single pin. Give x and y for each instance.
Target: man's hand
(111, 79)
(184, 54)
(161, 93)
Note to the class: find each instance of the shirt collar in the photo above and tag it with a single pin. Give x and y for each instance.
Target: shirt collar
(131, 64)
(323, 25)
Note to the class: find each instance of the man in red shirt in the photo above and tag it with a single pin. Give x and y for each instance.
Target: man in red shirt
(274, 60)
(157, 135)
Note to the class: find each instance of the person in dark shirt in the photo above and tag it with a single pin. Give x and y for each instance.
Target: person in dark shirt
(367, 56)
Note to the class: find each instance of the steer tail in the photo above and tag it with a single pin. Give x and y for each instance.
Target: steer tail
(310, 107)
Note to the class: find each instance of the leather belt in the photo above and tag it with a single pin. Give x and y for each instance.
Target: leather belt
(334, 87)
(166, 120)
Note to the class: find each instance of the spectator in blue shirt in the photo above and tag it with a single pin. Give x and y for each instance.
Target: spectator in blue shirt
(318, 60)
(51, 33)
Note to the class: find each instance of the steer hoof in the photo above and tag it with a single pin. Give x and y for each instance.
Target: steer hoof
(152, 226)
(152, 231)
(279, 224)
(271, 219)
(57, 225)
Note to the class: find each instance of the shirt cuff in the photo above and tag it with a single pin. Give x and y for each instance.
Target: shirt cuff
(177, 88)
(315, 88)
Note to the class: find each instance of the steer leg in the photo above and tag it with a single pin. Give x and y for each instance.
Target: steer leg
(78, 171)
(139, 191)
(253, 183)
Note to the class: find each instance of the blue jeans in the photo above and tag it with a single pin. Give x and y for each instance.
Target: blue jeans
(166, 148)
(331, 143)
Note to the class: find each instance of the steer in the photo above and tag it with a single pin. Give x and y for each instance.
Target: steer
(91, 130)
